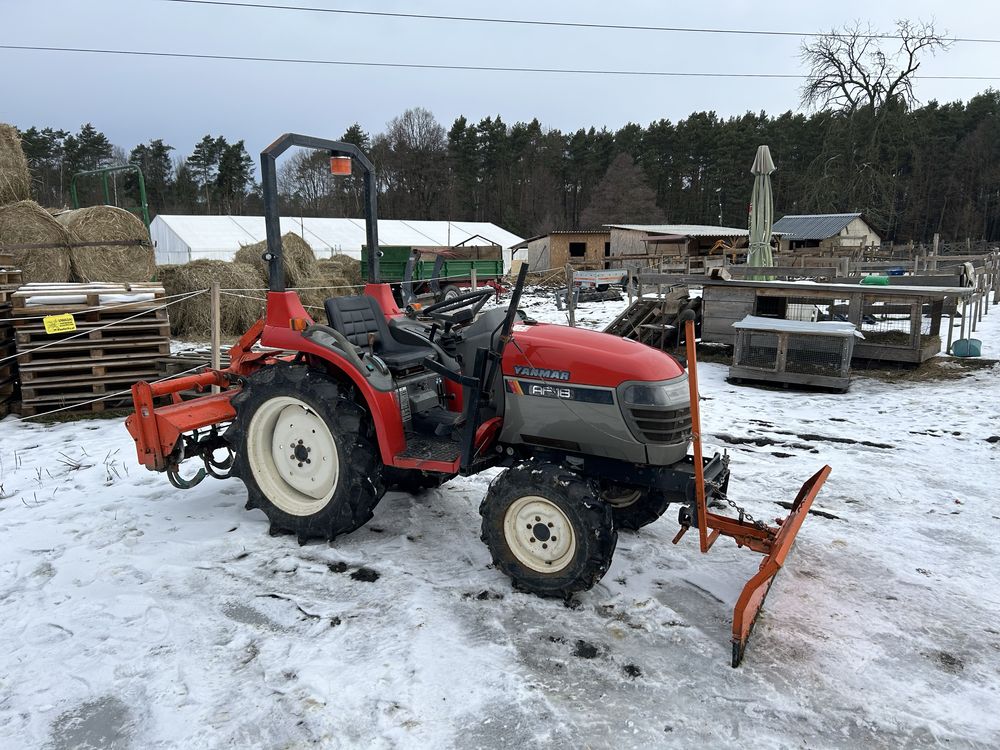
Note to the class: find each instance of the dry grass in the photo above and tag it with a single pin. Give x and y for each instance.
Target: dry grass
(117, 263)
(301, 268)
(25, 222)
(15, 179)
(341, 266)
(193, 318)
(936, 368)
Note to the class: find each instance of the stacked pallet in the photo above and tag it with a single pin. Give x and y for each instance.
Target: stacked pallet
(113, 338)
(10, 280)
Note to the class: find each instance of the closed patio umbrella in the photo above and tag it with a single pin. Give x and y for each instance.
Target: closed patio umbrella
(761, 210)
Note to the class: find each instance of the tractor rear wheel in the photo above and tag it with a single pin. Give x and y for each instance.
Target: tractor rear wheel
(547, 529)
(302, 450)
(634, 507)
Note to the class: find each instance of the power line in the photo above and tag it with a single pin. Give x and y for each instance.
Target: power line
(432, 66)
(564, 24)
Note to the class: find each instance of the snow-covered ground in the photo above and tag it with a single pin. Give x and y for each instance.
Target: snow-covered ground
(136, 615)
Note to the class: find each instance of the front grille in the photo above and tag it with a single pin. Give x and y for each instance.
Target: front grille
(653, 425)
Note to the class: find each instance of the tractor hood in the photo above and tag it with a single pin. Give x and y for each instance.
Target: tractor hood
(575, 355)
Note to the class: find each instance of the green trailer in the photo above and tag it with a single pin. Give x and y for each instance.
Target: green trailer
(440, 271)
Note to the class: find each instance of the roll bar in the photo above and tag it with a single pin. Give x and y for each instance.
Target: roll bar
(272, 219)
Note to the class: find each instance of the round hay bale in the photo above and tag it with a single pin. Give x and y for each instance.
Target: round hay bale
(319, 289)
(116, 263)
(299, 259)
(193, 317)
(27, 223)
(15, 179)
(341, 265)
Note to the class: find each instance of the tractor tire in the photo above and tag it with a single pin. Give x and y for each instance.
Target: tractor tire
(450, 292)
(412, 481)
(634, 507)
(547, 529)
(303, 450)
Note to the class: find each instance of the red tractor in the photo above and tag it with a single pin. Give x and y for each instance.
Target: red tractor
(320, 418)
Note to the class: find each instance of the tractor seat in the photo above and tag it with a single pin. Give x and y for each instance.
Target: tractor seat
(358, 316)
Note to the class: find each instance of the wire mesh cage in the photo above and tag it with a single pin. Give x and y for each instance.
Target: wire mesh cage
(757, 349)
(817, 357)
(821, 355)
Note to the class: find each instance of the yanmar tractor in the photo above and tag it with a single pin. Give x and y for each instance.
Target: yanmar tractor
(320, 417)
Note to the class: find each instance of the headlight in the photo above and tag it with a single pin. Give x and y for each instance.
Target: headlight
(671, 393)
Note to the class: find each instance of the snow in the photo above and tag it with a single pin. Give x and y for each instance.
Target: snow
(137, 615)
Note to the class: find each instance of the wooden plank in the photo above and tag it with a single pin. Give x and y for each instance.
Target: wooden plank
(792, 378)
(797, 271)
(92, 386)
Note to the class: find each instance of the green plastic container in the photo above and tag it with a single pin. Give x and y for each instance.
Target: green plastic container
(967, 348)
(875, 280)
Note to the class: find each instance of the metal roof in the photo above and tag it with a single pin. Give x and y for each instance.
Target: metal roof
(687, 230)
(813, 226)
(180, 239)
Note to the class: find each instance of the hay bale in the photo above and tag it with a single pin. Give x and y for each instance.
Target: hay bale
(25, 222)
(193, 318)
(299, 260)
(343, 266)
(15, 179)
(116, 263)
(320, 289)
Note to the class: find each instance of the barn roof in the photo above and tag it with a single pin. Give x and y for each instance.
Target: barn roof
(813, 226)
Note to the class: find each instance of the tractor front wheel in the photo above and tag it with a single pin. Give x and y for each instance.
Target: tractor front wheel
(547, 529)
(634, 507)
(302, 450)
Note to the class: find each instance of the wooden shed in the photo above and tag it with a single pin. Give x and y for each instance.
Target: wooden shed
(900, 323)
(825, 233)
(582, 249)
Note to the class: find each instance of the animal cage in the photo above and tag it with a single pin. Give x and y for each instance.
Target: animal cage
(793, 352)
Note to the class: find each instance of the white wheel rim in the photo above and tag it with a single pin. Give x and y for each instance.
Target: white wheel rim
(620, 497)
(539, 534)
(293, 456)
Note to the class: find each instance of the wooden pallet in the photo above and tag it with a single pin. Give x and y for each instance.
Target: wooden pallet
(82, 388)
(111, 349)
(10, 277)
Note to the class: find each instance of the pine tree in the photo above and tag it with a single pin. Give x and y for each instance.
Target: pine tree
(622, 197)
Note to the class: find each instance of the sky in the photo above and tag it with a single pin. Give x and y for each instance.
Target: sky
(134, 99)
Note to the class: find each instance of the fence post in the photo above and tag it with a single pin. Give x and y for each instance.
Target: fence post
(951, 324)
(473, 278)
(937, 241)
(628, 286)
(216, 322)
(570, 296)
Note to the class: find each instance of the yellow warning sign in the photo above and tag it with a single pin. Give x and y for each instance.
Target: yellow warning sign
(59, 323)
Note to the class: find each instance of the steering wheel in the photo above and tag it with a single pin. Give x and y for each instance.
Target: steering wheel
(459, 310)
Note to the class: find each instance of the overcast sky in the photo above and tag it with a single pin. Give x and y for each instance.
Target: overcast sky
(134, 99)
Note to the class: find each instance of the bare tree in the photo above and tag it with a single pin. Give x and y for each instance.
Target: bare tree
(850, 69)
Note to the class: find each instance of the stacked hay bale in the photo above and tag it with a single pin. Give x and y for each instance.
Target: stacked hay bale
(303, 272)
(27, 223)
(192, 318)
(116, 262)
(15, 179)
(343, 267)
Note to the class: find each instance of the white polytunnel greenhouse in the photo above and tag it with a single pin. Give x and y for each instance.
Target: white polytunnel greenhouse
(181, 239)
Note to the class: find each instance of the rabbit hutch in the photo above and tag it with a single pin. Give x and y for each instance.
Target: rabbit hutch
(900, 323)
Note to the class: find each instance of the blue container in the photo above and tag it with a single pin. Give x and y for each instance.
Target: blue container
(897, 271)
(967, 348)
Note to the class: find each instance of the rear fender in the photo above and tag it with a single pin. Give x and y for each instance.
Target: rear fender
(382, 405)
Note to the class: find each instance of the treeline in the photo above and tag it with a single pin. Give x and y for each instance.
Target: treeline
(934, 168)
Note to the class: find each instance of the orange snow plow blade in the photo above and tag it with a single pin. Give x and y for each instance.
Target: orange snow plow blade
(773, 542)
(752, 598)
